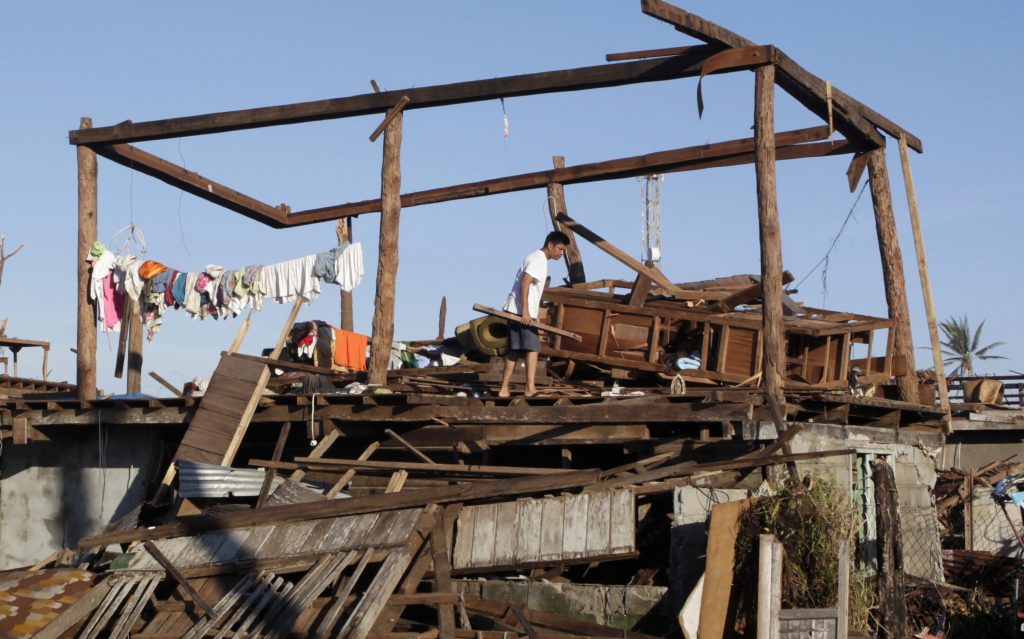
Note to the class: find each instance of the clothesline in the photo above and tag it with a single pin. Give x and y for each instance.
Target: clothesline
(213, 292)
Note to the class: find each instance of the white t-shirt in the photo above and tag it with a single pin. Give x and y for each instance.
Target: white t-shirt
(536, 265)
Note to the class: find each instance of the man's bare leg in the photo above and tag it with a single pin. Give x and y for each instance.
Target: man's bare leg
(531, 373)
(506, 375)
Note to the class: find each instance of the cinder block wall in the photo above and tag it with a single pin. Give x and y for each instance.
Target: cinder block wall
(53, 493)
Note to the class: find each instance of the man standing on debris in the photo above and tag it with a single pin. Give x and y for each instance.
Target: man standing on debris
(524, 300)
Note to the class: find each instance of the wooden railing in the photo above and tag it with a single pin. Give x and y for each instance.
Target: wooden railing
(1013, 388)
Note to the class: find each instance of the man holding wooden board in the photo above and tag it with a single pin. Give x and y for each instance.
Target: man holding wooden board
(524, 301)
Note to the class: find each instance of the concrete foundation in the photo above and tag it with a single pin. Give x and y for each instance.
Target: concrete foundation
(623, 607)
(53, 493)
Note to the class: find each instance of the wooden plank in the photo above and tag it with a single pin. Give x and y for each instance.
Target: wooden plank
(926, 284)
(599, 523)
(20, 431)
(574, 530)
(552, 523)
(330, 618)
(538, 325)
(468, 469)
(623, 257)
(392, 113)
(366, 612)
(622, 515)
(528, 535)
(561, 624)
(484, 528)
(172, 570)
(442, 570)
(505, 533)
(504, 488)
(718, 572)
(462, 556)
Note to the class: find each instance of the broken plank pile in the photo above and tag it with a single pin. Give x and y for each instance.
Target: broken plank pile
(312, 561)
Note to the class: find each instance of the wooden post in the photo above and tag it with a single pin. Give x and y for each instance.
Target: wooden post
(891, 602)
(843, 594)
(87, 214)
(134, 320)
(556, 205)
(344, 231)
(926, 283)
(387, 258)
(773, 358)
(764, 585)
(892, 271)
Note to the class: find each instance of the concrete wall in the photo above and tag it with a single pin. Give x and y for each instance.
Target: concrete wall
(52, 493)
(989, 527)
(622, 607)
(914, 469)
(974, 449)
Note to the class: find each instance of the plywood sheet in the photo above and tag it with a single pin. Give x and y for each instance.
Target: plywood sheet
(715, 606)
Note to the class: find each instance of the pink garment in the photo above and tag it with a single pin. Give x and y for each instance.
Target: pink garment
(113, 304)
(202, 281)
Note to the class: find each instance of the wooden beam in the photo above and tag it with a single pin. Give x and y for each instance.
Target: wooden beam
(773, 354)
(85, 378)
(656, 275)
(685, 65)
(538, 325)
(926, 284)
(392, 113)
(409, 447)
(556, 206)
(794, 79)
(195, 184)
(344, 233)
(502, 488)
(173, 571)
(432, 467)
(166, 384)
(134, 319)
(892, 272)
(270, 473)
(387, 254)
(727, 153)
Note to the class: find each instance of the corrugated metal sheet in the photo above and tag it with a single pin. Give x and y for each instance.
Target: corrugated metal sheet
(196, 479)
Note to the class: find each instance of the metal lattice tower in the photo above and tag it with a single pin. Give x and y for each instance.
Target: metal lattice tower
(650, 218)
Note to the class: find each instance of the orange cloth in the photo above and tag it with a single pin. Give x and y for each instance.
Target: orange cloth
(150, 269)
(350, 349)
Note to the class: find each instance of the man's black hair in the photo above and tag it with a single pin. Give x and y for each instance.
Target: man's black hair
(557, 237)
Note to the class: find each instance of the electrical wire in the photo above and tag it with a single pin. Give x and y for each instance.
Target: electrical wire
(835, 240)
(181, 194)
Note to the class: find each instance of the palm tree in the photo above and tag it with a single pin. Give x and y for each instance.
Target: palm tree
(962, 346)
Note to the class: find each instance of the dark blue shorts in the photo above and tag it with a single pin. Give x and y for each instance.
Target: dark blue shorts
(522, 338)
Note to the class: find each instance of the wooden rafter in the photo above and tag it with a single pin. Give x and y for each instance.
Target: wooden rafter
(191, 182)
(727, 153)
(794, 79)
(687, 64)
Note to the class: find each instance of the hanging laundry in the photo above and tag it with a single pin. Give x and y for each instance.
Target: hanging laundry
(288, 280)
(151, 268)
(350, 349)
(214, 292)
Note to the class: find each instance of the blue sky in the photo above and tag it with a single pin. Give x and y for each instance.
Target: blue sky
(940, 69)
